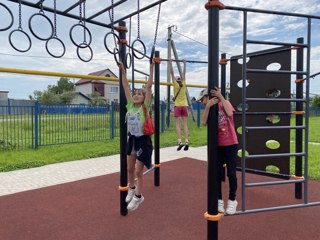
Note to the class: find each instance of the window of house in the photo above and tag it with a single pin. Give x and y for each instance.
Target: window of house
(99, 88)
(114, 89)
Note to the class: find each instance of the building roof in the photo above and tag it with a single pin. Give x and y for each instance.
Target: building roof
(105, 73)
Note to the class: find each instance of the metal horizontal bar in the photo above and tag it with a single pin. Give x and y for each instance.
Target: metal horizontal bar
(266, 173)
(312, 204)
(274, 183)
(106, 9)
(275, 100)
(250, 70)
(275, 155)
(275, 127)
(141, 10)
(62, 13)
(143, 73)
(271, 12)
(71, 75)
(181, 60)
(276, 43)
(264, 113)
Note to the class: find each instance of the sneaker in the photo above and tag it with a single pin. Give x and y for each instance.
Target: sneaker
(135, 202)
(186, 147)
(232, 207)
(220, 206)
(130, 194)
(180, 146)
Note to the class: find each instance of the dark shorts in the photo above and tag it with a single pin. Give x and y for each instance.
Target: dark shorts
(142, 146)
(180, 111)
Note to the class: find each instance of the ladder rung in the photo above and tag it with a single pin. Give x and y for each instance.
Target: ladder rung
(276, 43)
(274, 127)
(275, 100)
(275, 155)
(273, 183)
(251, 70)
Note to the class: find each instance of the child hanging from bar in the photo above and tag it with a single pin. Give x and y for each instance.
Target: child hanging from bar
(139, 147)
(180, 111)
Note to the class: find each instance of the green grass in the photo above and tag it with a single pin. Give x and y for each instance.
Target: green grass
(13, 160)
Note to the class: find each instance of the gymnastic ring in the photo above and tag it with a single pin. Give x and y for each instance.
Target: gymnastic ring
(133, 49)
(128, 56)
(86, 46)
(11, 15)
(64, 47)
(106, 45)
(49, 21)
(20, 30)
(83, 44)
(152, 53)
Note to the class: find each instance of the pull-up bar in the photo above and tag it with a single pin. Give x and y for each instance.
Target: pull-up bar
(72, 75)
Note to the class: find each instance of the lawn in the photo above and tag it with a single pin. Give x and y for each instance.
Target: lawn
(13, 160)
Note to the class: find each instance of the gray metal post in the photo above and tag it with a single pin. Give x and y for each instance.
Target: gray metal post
(299, 120)
(168, 76)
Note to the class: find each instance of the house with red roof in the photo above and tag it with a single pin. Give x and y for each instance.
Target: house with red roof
(109, 90)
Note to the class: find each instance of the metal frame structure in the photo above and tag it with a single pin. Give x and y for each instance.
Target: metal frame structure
(89, 19)
(213, 7)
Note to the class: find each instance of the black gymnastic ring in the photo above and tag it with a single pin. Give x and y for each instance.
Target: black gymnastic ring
(106, 45)
(20, 30)
(133, 50)
(86, 46)
(12, 19)
(128, 56)
(33, 33)
(59, 40)
(83, 44)
(152, 53)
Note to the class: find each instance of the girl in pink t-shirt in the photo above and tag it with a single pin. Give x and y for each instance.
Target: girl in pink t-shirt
(227, 144)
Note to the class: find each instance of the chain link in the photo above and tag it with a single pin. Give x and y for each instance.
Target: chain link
(54, 18)
(158, 19)
(20, 18)
(138, 19)
(41, 7)
(80, 11)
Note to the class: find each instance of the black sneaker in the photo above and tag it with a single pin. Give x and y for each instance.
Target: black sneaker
(186, 147)
(180, 146)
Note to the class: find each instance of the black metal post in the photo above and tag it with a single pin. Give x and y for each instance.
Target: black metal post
(156, 122)
(223, 74)
(299, 120)
(123, 130)
(212, 130)
(223, 91)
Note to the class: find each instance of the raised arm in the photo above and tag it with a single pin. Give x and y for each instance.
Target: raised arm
(150, 82)
(184, 70)
(125, 82)
(206, 110)
(171, 70)
(226, 105)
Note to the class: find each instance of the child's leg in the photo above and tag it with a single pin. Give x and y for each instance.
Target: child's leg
(231, 161)
(131, 161)
(139, 174)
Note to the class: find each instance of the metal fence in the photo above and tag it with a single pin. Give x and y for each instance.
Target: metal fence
(23, 127)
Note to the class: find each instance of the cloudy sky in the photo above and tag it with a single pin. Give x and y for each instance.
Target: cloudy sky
(190, 36)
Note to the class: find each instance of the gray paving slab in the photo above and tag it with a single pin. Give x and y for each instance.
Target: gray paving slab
(58, 173)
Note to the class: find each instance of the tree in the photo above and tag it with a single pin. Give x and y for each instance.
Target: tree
(315, 102)
(63, 92)
(96, 99)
